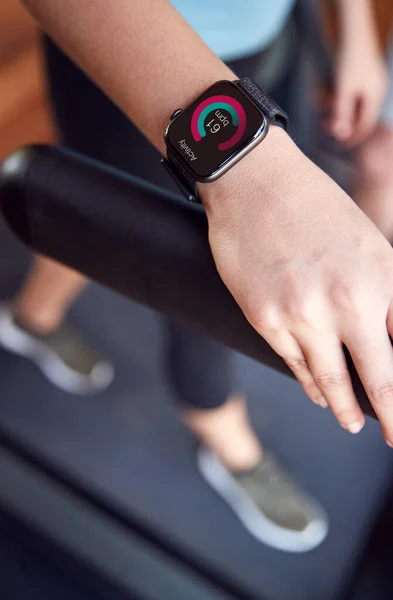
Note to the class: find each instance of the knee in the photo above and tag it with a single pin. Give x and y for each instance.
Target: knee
(374, 159)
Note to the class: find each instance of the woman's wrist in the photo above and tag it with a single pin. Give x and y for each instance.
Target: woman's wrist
(263, 164)
(359, 47)
(358, 29)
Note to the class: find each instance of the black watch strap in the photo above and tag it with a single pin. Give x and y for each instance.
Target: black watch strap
(273, 113)
(274, 116)
(183, 178)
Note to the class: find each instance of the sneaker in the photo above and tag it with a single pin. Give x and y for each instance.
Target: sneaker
(64, 357)
(268, 502)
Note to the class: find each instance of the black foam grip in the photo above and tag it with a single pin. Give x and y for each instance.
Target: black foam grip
(132, 237)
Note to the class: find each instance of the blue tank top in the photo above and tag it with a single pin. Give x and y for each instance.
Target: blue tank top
(235, 28)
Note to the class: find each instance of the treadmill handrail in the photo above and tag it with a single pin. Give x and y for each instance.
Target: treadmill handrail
(132, 237)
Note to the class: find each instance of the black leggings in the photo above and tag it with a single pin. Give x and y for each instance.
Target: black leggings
(200, 369)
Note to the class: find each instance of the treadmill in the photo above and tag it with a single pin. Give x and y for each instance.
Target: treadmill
(99, 500)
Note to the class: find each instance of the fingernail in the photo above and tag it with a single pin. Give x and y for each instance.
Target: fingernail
(341, 134)
(354, 427)
(389, 443)
(322, 402)
(342, 129)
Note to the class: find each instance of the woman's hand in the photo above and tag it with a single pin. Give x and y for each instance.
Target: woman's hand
(310, 272)
(360, 89)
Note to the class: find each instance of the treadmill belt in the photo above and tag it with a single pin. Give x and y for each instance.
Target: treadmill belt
(127, 447)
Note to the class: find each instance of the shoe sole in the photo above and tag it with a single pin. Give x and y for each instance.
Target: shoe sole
(253, 519)
(17, 341)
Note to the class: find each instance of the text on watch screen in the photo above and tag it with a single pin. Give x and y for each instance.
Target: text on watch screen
(214, 128)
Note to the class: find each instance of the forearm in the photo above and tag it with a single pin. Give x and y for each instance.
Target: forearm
(142, 53)
(357, 25)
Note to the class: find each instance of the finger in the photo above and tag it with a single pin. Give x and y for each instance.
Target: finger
(372, 354)
(365, 119)
(343, 115)
(287, 347)
(389, 321)
(326, 360)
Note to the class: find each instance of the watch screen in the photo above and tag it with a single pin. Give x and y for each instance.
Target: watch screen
(216, 127)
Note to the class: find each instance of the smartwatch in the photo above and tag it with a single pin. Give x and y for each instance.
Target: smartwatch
(218, 129)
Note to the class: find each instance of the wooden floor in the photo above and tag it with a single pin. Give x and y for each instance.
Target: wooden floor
(24, 112)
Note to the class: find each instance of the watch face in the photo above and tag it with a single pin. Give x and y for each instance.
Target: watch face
(215, 129)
